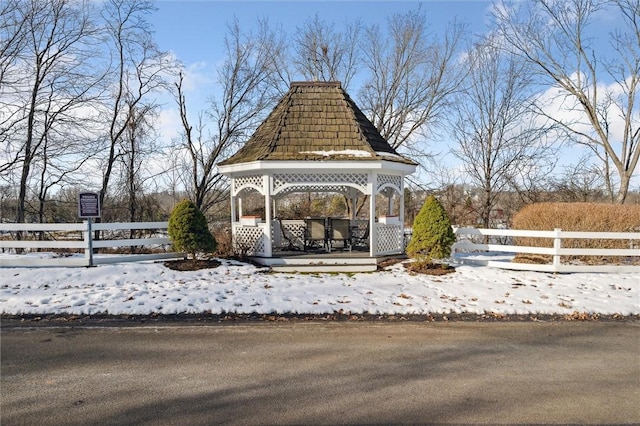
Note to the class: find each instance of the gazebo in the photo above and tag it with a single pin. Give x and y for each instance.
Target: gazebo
(317, 140)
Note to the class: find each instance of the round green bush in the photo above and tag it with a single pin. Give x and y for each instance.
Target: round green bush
(432, 235)
(188, 230)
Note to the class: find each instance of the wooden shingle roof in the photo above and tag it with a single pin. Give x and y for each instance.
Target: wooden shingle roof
(316, 121)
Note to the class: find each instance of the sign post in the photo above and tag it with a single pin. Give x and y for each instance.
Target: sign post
(89, 208)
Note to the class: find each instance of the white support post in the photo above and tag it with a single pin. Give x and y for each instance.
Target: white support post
(266, 188)
(234, 197)
(354, 203)
(373, 231)
(234, 218)
(88, 239)
(557, 245)
(401, 214)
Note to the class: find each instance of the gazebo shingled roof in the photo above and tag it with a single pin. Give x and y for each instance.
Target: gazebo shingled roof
(316, 121)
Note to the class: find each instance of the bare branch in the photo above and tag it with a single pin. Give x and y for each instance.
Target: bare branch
(324, 54)
(412, 76)
(496, 134)
(554, 37)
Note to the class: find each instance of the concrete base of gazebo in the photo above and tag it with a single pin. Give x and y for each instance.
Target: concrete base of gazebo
(324, 262)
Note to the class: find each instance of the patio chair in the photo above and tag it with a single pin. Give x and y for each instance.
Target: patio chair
(339, 230)
(288, 236)
(315, 232)
(360, 234)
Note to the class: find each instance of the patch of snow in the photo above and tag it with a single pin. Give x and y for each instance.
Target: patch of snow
(345, 152)
(150, 287)
(390, 155)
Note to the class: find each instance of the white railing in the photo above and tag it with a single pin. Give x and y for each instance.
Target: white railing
(80, 237)
(467, 245)
(389, 239)
(251, 240)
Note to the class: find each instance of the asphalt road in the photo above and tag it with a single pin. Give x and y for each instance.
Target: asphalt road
(322, 373)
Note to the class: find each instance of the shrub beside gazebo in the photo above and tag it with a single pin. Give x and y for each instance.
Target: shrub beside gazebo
(189, 231)
(432, 238)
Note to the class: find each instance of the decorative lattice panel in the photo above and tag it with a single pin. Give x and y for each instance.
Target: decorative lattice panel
(394, 180)
(319, 179)
(250, 240)
(342, 189)
(390, 238)
(291, 234)
(247, 181)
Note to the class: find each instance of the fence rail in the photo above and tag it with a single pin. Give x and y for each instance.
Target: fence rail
(467, 244)
(80, 236)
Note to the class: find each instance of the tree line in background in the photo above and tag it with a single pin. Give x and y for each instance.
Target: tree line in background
(80, 83)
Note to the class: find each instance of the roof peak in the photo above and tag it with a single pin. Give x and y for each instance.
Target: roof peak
(316, 84)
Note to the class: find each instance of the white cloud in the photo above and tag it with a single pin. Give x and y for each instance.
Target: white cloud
(562, 106)
(198, 76)
(169, 125)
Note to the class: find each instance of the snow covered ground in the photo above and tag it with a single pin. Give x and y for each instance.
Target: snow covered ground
(148, 287)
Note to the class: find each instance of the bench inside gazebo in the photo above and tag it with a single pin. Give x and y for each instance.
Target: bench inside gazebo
(316, 140)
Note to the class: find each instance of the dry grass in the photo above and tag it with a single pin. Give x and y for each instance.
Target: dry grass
(222, 234)
(579, 217)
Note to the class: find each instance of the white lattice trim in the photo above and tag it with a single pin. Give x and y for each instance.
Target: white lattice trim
(386, 181)
(319, 180)
(250, 240)
(250, 181)
(287, 189)
(389, 239)
(290, 235)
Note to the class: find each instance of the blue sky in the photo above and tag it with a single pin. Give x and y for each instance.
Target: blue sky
(194, 30)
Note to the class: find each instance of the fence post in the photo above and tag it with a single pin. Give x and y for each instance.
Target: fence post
(88, 239)
(557, 244)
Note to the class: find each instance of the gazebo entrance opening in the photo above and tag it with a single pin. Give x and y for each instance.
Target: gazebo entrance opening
(281, 213)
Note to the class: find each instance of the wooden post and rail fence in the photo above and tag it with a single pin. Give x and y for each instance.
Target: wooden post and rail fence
(79, 237)
(471, 246)
(471, 241)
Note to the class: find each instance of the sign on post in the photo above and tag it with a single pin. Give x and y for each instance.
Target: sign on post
(88, 205)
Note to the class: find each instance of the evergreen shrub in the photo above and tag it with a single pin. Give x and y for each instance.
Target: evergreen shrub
(432, 235)
(188, 230)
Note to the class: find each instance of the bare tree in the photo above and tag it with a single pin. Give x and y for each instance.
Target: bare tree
(322, 53)
(139, 152)
(139, 68)
(580, 182)
(412, 75)
(13, 37)
(60, 156)
(202, 156)
(246, 80)
(554, 37)
(495, 131)
(48, 80)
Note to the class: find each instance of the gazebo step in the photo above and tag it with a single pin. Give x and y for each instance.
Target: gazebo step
(320, 264)
(309, 268)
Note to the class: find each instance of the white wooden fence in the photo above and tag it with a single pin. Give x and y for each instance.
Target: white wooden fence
(79, 236)
(467, 249)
